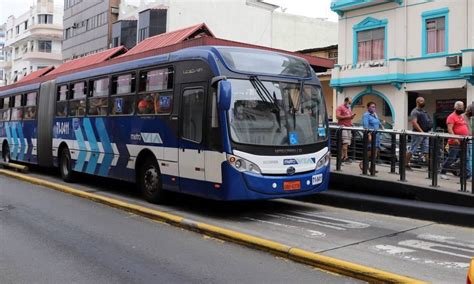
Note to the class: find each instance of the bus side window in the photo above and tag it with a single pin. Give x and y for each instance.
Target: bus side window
(17, 110)
(61, 101)
(98, 101)
(5, 109)
(192, 114)
(155, 91)
(77, 100)
(30, 106)
(123, 94)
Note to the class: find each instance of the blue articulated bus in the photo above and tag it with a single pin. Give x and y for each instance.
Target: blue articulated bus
(223, 123)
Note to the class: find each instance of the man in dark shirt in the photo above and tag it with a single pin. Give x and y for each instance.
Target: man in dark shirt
(421, 122)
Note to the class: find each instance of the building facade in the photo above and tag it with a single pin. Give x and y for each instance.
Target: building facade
(32, 40)
(251, 21)
(392, 51)
(2, 55)
(330, 95)
(88, 26)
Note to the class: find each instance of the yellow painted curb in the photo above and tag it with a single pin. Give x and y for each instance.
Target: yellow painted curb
(317, 260)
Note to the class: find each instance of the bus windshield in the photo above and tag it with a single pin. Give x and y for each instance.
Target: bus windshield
(286, 116)
(263, 62)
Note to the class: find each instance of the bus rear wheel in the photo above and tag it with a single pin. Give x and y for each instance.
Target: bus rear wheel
(65, 165)
(6, 153)
(149, 181)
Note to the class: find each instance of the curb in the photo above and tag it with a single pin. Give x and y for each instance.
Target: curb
(299, 255)
(387, 205)
(376, 186)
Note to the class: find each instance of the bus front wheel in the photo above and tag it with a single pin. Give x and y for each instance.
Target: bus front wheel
(6, 153)
(65, 165)
(149, 181)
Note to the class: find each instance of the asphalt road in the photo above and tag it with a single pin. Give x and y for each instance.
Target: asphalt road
(52, 237)
(421, 249)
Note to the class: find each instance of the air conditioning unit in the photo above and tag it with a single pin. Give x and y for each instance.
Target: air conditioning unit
(454, 61)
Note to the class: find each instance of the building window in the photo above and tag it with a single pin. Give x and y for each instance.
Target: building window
(17, 30)
(435, 32)
(333, 55)
(143, 34)
(435, 35)
(370, 40)
(68, 33)
(115, 41)
(371, 45)
(44, 46)
(26, 25)
(45, 19)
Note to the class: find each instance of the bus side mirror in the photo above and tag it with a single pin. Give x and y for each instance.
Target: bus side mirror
(224, 95)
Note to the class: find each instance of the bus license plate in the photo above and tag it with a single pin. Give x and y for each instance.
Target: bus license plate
(317, 179)
(291, 185)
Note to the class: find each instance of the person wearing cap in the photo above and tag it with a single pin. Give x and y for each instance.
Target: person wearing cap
(421, 122)
(457, 126)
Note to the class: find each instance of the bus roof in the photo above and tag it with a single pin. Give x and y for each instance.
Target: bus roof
(207, 53)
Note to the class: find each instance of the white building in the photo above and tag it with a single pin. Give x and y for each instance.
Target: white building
(250, 21)
(2, 54)
(33, 40)
(391, 51)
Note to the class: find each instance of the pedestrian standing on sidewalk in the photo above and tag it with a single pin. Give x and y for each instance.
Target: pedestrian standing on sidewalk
(457, 126)
(371, 121)
(469, 119)
(421, 122)
(344, 117)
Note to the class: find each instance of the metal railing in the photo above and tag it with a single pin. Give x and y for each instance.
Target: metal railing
(393, 153)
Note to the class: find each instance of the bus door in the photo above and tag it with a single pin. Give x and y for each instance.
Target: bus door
(191, 147)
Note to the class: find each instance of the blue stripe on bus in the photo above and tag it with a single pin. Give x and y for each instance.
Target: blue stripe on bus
(15, 141)
(9, 137)
(22, 141)
(92, 163)
(109, 152)
(82, 149)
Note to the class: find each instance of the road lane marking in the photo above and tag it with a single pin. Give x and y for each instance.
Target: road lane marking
(324, 221)
(393, 249)
(436, 247)
(404, 254)
(304, 220)
(446, 240)
(312, 233)
(341, 222)
(350, 269)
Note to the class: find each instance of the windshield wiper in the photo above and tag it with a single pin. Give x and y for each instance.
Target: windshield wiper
(295, 106)
(265, 96)
(263, 92)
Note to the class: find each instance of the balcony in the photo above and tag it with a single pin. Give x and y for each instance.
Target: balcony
(5, 64)
(369, 73)
(342, 6)
(43, 31)
(42, 55)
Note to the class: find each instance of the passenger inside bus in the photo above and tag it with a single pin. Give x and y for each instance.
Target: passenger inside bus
(98, 106)
(30, 113)
(146, 105)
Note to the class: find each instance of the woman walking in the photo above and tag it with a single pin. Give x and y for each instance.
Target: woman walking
(371, 121)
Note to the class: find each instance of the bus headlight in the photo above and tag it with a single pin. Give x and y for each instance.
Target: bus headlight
(242, 165)
(324, 161)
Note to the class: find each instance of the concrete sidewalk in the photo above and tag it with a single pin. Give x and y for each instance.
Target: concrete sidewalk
(416, 187)
(416, 177)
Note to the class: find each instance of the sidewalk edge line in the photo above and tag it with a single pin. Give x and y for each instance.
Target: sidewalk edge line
(299, 255)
